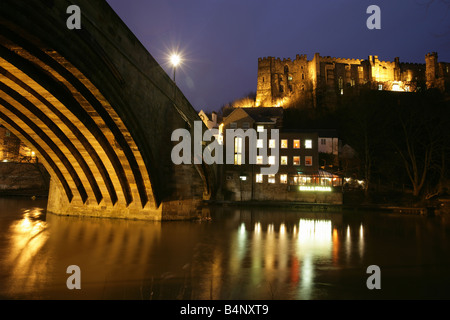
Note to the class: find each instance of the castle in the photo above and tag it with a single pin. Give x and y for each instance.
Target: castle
(286, 83)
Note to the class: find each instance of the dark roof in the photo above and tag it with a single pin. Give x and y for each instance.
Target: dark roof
(258, 114)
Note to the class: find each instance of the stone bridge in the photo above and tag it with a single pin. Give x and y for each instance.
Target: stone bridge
(98, 111)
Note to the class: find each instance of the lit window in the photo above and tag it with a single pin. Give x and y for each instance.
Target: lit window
(290, 78)
(284, 160)
(260, 128)
(259, 159)
(308, 161)
(238, 159)
(296, 144)
(271, 160)
(233, 125)
(380, 87)
(237, 145)
(296, 160)
(271, 178)
(283, 178)
(308, 144)
(259, 178)
(238, 151)
(259, 143)
(272, 143)
(284, 144)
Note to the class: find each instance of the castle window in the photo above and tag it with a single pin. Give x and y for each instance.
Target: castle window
(286, 69)
(281, 89)
(303, 87)
(263, 79)
(290, 88)
(303, 76)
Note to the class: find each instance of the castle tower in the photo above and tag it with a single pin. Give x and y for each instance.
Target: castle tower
(431, 69)
(264, 83)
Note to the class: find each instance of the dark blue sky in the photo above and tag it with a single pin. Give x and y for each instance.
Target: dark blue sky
(221, 40)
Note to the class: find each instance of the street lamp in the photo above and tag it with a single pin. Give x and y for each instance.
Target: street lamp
(175, 59)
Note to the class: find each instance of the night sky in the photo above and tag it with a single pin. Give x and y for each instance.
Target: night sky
(221, 40)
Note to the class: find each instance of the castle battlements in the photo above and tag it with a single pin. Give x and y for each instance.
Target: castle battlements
(281, 81)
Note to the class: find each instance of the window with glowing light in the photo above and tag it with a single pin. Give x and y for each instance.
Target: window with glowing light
(259, 159)
(271, 178)
(259, 143)
(259, 178)
(284, 144)
(296, 160)
(272, 143)
(238, 150)
(260, 128)
(284, 160)
(296, 144)
(238, 159)
(308, 161)
(271, 160)
(308, 144)
(283, 178)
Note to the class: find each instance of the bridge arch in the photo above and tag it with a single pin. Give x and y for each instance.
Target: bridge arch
(98, 111)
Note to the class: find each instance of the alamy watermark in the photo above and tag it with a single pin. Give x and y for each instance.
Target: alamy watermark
(374, 21)
(259, 144)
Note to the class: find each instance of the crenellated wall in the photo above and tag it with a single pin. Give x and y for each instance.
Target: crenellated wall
(284, 82)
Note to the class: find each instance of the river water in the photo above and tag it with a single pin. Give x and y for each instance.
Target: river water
(241, 253)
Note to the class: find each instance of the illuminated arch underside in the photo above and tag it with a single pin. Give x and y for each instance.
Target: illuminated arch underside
(54, 109)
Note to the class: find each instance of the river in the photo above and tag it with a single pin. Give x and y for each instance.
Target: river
(241, 254)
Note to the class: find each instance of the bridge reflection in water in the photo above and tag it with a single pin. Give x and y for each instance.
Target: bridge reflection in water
(240, 254)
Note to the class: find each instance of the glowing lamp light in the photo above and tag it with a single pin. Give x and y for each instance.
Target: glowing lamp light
(175, 59)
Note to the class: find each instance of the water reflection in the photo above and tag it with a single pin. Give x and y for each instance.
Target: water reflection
(240, 254)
